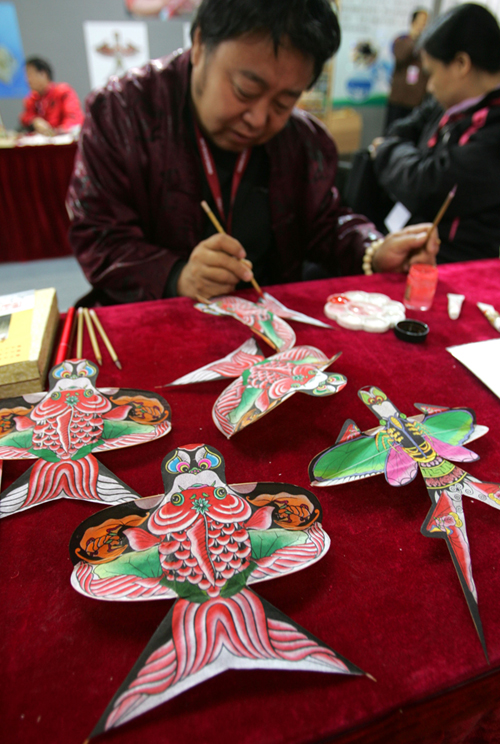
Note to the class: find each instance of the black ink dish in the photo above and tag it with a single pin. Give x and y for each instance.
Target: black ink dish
(411, 330)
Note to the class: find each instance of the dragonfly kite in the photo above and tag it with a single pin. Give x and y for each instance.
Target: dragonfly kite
(402, 445)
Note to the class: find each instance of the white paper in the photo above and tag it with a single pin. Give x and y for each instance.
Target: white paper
(483, 360)
(397, 217)
(43, 139)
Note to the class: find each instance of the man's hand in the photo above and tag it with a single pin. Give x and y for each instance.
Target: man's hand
(42, 127)
(214, 268)
(405, 247)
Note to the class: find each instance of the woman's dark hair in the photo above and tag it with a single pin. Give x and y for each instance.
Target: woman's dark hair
(310, 25)
(467, 28)
(41, 65)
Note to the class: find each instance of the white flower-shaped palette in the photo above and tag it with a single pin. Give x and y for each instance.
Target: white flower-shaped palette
(364, 311)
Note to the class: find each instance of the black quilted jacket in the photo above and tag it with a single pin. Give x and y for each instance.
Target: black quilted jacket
(428, 152)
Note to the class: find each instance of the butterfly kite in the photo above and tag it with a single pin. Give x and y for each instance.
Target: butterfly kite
(203, 542)
(64, 428)
(401, 446)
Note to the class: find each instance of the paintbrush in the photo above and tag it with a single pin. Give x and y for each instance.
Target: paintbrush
(220, 229)
(105, 338)
(93, 339)
(441, 212)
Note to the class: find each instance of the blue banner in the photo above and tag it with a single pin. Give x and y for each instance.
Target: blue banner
(12, 75)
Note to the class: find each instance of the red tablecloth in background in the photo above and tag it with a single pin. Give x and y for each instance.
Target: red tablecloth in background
(33, 218)
(384, 596)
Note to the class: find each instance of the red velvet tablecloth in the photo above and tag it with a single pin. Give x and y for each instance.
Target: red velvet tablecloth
(33, 218)
(384, 596)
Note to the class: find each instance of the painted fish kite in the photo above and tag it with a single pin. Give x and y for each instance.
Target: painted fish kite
(203, 542)
(266, 324)
(65, 427)
(264, 383)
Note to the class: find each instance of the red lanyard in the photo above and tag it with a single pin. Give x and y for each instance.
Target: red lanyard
(213, 179)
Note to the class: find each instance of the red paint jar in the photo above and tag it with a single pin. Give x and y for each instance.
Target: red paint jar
(420, 287)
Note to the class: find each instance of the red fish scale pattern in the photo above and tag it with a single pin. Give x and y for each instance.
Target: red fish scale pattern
(228, 546)
(267, 373)
(84, 428)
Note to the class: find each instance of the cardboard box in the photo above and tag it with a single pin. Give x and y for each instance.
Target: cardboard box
(345, 125)
(28, 325)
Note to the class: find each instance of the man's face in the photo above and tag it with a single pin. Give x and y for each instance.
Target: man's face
(37, 80)
(446, 81)
(243, 92)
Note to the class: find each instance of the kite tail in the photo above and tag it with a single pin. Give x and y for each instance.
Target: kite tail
(51, 480)
(445, 521)
(198, 641)
(85, 479)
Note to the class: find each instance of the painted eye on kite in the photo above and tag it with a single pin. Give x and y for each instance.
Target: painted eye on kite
(55, 396)
(220, 493)
(177, 499)
(88, 393)
(86, 369)
(208, 460)
(321, 390)
(63, 370)
(176, 465)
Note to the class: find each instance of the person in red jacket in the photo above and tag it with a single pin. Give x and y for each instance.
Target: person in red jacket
(50, 108)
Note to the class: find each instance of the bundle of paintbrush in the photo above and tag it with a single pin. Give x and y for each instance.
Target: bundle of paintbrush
(91, 320)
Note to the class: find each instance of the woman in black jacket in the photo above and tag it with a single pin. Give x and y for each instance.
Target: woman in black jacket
(453, 137)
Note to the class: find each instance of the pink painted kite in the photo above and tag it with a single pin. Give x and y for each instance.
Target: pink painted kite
(231, 365)
(276, 307)
(203, 542)
(269, 382)
(264, 383)
(64, 428)
(262, 321)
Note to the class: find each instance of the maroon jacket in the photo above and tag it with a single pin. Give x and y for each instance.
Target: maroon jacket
(136, 189)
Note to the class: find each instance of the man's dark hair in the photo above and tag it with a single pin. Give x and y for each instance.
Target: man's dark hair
(41, 65)
(310, 25)
(467, 28)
